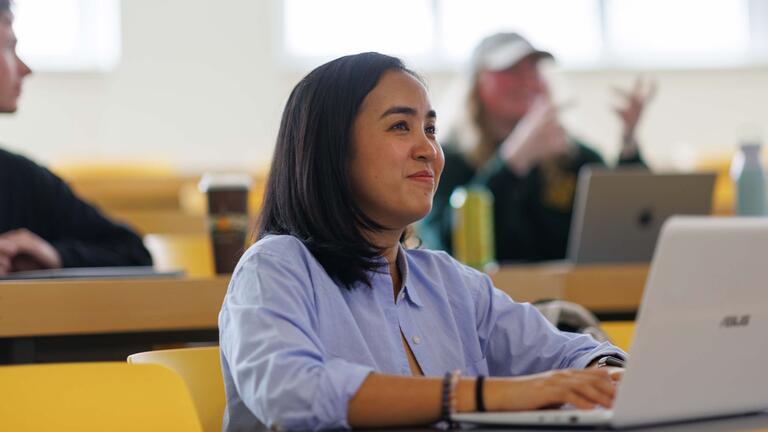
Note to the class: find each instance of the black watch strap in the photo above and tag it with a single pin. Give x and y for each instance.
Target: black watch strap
(609, 360)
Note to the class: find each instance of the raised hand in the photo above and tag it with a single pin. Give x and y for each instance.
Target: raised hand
(537, 137)
(632, 105)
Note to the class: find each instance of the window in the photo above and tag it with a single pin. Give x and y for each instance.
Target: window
(68, 35)
(678, 33)
(441, 34)
(568, 28)
(337, 27)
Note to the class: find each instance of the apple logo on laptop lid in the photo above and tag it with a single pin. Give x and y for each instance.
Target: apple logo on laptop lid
(646, 218)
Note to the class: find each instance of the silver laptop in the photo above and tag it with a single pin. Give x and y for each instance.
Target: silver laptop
(700, 340)
(617, 214)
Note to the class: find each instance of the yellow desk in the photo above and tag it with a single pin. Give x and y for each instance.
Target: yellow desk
(599, 288)
(70, 307)
(64, 308)
(78, 306)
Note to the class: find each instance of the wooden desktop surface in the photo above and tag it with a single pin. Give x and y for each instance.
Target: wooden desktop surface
(71, 307)
(599, 288)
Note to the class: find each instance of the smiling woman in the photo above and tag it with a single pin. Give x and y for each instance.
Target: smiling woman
(396, 161)
(330, 322)
(343, 161)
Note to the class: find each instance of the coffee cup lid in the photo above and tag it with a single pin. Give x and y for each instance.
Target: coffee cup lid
(211, 181)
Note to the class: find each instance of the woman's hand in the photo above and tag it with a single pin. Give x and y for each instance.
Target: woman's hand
(615, 372)
(582, 388)
(394, 400)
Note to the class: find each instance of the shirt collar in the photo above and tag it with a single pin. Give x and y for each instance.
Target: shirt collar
(408, 287)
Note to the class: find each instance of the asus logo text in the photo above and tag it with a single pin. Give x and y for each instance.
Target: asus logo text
(735, 321)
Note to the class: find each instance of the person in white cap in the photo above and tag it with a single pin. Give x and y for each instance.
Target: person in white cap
(517, 148)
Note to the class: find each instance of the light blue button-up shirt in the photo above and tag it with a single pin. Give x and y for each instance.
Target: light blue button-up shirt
(296, 346)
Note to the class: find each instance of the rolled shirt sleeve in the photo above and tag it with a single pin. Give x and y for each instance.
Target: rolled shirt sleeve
(277, 362)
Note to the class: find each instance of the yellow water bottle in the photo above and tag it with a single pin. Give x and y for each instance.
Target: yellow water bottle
(473, 233)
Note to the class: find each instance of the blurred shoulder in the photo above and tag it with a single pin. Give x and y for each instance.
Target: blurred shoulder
(17, 162)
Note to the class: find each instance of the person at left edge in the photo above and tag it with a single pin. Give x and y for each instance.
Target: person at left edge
(42, 223)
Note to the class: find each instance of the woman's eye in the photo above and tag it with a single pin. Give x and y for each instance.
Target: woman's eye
(401, 126)
(430, 130)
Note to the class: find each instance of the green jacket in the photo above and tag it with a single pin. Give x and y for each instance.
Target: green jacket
(532, 215)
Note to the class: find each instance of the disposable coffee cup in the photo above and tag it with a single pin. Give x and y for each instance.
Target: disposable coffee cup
(227, 217)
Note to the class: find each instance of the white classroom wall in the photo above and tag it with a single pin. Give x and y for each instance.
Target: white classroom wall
(198, 87)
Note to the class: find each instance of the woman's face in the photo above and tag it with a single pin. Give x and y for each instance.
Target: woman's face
(508, 94)
(395, 159)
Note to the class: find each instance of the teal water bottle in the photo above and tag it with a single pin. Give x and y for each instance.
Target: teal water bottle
(473, 232)
(749, 177)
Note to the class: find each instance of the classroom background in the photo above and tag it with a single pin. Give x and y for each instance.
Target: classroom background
(192, 86)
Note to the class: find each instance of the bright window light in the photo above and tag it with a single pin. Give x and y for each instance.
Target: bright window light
(441, 34)
(331, 28)
(679, 32)
(569, 29)
(68, 35)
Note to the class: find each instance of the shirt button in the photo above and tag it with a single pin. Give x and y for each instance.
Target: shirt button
(416, 340)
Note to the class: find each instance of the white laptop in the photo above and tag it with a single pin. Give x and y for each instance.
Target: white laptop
(701, 337)
(617, 214)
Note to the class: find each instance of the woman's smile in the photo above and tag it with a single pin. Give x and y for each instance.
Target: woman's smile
(424, 176)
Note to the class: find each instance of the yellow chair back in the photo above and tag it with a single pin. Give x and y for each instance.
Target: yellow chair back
(190, 252)
(94, 397)
(620, 332)
(201, 370)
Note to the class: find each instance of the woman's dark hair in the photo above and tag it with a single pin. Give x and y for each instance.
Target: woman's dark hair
(5, 6)
(308, 193)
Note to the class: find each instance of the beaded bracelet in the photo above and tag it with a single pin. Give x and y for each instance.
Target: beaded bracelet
(449, 402)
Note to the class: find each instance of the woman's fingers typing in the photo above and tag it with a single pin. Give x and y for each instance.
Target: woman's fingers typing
(582, 388)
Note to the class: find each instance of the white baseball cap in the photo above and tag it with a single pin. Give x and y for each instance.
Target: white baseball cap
(503, 50)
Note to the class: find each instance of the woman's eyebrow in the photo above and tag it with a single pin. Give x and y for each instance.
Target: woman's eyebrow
(407, 111)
